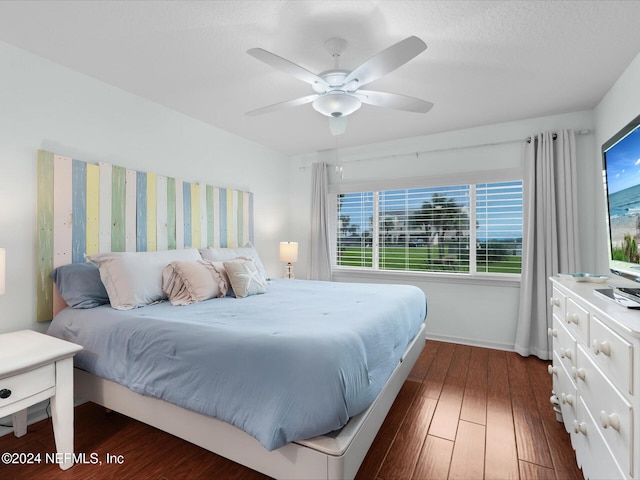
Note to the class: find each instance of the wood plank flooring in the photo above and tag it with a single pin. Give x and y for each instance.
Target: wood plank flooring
(463, 413)
(492, 420)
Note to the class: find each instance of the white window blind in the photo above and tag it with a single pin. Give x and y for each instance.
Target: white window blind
(355, 229)
(424, 229)
(499, 227)
(455, 228)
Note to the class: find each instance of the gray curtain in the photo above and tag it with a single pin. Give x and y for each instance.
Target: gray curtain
(320, 245)
(550, 242)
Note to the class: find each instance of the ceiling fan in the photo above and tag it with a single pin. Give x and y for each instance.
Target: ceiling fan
(339, 93)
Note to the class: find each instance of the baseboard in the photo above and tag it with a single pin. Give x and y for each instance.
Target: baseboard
(470, 341)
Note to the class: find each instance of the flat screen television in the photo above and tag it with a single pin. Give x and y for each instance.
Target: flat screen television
(621, 175)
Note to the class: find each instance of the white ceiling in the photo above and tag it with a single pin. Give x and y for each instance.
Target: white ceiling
(487, 61)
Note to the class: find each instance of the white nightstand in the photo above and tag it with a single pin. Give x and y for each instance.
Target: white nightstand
(34, 367)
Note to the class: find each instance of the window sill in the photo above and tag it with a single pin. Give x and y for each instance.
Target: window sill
(428, 277)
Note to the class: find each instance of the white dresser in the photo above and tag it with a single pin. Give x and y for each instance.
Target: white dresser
(596, 346)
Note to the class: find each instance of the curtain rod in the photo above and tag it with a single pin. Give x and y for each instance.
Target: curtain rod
(584, 131)
(555, 135)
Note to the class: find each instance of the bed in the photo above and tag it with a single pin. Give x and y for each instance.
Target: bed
(353, 344)
(369, 334)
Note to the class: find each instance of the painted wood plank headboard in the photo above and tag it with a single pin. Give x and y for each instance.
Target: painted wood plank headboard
(83, 209)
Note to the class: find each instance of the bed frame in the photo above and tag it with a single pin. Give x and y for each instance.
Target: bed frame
(332, 457)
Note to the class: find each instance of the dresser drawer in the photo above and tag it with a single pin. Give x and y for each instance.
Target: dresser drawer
(564, 344)
(27, 384)
(612, 413)
(557, 301)
(565, 391)
(613, 354)
(593, 456)
(577, 320)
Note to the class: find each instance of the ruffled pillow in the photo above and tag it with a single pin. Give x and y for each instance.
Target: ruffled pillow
(187, 282)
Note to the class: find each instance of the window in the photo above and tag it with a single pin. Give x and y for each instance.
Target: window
(499, 227)
(433, 229)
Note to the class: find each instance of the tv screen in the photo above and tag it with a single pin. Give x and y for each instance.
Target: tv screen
(621, 165)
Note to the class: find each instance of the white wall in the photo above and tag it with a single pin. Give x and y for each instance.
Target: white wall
(479, 313)
(47, 106)
(618, 107)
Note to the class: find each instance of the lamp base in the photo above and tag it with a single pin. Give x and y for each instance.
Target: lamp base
(288, 271)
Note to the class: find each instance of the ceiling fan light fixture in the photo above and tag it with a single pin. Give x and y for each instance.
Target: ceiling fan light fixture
(338, 92)
(336, 104)
(338, 125)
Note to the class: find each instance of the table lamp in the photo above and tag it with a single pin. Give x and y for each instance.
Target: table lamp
(289, 254)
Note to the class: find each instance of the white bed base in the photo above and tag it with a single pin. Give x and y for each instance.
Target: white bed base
(331, 457)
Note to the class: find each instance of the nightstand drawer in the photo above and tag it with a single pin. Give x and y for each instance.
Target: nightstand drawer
(27, 384)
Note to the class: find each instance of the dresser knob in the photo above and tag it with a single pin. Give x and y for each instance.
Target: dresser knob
(601, 347)
(555, 302)
(572, 318)
(567, 399)
(610, 420)
(579, 427)
(578, 373)
(565, 353)
(5, 393)
(552, 370)
(552, 332)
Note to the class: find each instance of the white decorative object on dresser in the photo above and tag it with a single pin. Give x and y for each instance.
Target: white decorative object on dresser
(595, 344)
(33, 368)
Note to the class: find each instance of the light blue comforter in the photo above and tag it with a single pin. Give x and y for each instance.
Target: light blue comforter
(287, 365)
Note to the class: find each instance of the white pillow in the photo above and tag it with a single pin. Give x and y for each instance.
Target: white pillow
(226, 254)
(134, 279)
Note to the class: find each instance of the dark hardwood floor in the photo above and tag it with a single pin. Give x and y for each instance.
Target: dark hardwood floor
(464, 413)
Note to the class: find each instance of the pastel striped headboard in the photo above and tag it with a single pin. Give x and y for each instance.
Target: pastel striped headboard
(84, 209)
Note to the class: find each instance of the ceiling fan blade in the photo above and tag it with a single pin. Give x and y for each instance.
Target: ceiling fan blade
(386, 61)
(291, 103)
(393, 100)
(286, 66)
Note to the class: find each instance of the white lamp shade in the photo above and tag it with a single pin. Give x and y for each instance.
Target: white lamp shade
(3, 256)
(289, 252)
(337, 125)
